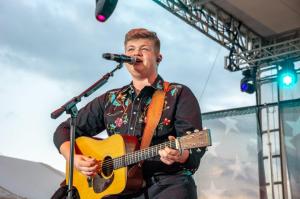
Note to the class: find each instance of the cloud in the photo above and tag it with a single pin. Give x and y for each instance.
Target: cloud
(51, 51)
(26, 102)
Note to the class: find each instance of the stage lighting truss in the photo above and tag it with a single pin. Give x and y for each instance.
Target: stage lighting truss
(287, 76)
(248, 82)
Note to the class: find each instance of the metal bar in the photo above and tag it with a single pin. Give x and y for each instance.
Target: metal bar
(269, 54)
(270, 153)
(245, 110)
(212, 21)
(283, 161)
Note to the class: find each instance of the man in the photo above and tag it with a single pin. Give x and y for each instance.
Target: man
(124, 111)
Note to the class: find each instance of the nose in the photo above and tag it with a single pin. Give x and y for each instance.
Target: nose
(137, 52)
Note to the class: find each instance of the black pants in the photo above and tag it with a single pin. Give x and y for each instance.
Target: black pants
(179, 186)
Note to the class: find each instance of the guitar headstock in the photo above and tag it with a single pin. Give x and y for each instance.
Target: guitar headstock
(195, 139)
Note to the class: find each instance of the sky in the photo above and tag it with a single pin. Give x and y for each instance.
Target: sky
(50, 51)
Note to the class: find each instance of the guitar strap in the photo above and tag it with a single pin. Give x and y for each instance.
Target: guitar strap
(153, 115)
(135, 174)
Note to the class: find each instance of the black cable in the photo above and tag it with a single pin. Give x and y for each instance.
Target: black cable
(210, 72)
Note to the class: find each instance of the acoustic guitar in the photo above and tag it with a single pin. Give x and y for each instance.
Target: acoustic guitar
(115, 155)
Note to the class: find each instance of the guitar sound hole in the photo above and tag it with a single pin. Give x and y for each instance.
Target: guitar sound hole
(107, 166)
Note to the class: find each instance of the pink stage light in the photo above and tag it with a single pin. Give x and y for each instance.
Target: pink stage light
(101, 18)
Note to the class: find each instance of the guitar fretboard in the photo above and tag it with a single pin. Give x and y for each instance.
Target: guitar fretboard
(143, 154)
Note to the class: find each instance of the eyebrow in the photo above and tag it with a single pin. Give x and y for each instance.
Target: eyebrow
(136, 46)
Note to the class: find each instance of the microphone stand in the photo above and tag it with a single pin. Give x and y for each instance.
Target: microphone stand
(70, 108)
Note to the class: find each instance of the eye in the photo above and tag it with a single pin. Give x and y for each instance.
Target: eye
(130, 49)
(145, 49)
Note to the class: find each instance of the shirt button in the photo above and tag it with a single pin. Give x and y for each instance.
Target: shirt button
(131, 128)
(138, 99)
(134, 113)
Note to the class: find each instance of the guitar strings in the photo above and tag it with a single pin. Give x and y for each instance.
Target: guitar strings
(120, 161)
(135, 154)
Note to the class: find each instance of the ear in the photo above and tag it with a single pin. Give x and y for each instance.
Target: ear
(159, 58)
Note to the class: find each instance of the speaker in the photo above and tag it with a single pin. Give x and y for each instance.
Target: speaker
(104, 8)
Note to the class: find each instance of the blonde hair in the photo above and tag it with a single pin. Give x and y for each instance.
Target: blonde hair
(142, 33)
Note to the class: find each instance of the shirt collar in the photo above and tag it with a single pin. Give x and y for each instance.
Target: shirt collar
(158, 84)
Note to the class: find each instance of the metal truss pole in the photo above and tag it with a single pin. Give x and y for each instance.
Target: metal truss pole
(246, 48)
(215, 23)
(266, 55)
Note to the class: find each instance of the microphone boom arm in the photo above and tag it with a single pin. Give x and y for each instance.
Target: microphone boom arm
(71, 108)
(67, 106)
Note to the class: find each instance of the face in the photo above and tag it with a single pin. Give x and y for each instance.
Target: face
(147, 56)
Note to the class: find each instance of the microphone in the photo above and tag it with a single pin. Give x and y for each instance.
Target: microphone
(119, 58)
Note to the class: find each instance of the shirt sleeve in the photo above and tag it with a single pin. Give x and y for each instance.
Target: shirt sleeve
(188, 118)
(89, 122)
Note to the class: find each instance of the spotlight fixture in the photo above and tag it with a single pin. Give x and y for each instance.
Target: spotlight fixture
(104, 8)
(248, 82)
(287, 76)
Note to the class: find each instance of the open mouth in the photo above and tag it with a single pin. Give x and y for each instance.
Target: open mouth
(138, 60)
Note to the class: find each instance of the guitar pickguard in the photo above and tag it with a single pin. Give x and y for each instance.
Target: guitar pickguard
(100, 183)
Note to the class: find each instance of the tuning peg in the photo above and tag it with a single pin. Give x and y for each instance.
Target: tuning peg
(188, 132)
(196, 131)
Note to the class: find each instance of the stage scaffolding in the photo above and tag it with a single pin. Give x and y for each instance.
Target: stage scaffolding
(275, 111)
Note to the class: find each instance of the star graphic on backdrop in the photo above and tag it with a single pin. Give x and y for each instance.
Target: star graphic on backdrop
(213, 192)
(289, 142)
(212, 149)
(217, 171)
(231, 125)
(238, 168)
(295, 125)
(253, 142)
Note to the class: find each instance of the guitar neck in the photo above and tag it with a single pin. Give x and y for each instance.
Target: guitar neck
(189, 141)
(143, 154)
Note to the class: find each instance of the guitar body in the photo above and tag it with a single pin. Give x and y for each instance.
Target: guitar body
(108, 181)
(118, 157)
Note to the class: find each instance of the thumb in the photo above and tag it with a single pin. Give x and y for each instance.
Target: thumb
(170, 137)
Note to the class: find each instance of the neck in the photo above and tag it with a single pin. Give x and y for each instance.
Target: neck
(140, 83)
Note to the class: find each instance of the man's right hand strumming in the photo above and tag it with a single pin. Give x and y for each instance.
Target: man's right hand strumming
(88, 166)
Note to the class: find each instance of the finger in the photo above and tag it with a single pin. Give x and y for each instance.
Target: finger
(165, 153)
(89, 159)
(87, 163)
(167, 161)
(170, 137)
(89, 169)
(162, 153)
(167, 157)
(173, 152)
(88, 173)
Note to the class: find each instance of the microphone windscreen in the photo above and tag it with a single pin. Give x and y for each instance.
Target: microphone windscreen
(106, 55)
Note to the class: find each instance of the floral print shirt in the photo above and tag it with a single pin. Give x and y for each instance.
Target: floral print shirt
(121, 111)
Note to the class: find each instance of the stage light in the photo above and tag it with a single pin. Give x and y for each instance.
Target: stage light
(104, 8)
(287, 76)
(248, 82)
